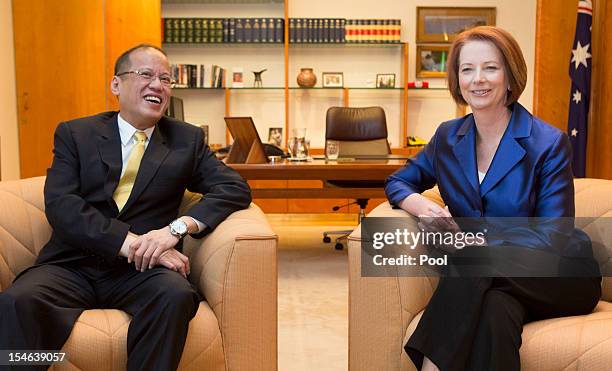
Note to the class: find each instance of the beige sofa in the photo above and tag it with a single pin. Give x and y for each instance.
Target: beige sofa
(384, 311)
(234, 268)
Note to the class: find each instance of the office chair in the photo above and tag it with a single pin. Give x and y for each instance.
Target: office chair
(359, 131)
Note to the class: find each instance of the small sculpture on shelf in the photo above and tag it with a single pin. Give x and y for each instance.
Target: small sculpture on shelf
(306, 78)
(257, 83)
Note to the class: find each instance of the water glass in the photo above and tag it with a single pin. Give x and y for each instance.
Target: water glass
(332, 149)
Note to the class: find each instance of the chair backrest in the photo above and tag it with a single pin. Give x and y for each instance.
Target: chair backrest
(360, 130)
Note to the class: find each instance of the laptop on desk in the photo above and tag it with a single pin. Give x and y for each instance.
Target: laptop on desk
(247, 147)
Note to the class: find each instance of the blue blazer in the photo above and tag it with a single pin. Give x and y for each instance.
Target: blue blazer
(530, 174)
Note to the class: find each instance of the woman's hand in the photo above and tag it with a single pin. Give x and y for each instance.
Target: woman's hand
(432, 217)
(438, 220)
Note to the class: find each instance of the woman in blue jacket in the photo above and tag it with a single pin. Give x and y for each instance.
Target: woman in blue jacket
(498, 161)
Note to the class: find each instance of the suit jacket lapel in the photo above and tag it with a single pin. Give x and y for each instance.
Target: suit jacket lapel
(109, 147)
(465, 151)
(153, 157)
(509, 152)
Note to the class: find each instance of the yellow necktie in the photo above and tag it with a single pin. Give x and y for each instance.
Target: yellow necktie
(126, 183)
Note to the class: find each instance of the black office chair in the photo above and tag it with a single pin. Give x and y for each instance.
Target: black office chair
(360, 132)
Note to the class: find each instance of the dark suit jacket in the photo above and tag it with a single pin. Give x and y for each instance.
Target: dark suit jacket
(530, 175)
(86, 170)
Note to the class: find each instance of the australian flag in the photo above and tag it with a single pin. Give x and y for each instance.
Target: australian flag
(580, 74)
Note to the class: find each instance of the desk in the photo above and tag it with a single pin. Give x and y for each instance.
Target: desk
(319, 170)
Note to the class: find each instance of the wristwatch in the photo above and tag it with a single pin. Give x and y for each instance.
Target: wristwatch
(178, 228)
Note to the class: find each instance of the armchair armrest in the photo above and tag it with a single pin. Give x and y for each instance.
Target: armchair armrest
(381, 308)
(234, 267)
(23, 226)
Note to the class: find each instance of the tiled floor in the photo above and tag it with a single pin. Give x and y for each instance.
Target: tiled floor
(313, 294)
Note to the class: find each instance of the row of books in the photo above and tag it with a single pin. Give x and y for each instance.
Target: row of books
(317, 30)
(340, 30)
(373, 30)
(272, 30)
(222, 30)
(198, 76)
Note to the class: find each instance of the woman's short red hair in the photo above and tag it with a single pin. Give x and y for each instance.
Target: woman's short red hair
(514, 62)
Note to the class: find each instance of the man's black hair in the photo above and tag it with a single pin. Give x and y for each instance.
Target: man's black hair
(123, 62)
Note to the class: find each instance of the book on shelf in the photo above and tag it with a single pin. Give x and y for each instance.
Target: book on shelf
(232, 30)
(218, 77)
(198, 76)
(190, 32)
(299, 34)
(239, 30)
(256, 30)
(248, 30)
(225, 29)
(182, 31)
(291, 30)
(279, 30)
(309, 36)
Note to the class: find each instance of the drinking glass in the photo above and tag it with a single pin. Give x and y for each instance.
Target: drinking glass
(332, 149)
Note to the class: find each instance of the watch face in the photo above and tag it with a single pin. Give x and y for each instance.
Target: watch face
(179, 227)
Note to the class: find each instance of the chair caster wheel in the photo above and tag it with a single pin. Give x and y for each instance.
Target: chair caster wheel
(326, 239)
(339, 246)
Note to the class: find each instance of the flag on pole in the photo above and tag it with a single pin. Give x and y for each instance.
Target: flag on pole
(580, 74)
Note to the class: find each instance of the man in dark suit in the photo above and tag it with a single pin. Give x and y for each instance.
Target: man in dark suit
(112, 196)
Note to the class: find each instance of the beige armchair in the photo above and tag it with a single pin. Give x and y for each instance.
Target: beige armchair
(234, 268)
(384, 311)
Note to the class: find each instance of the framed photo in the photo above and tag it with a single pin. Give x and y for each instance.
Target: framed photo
(431, 60)
(237, 77)
(442, 24)
(385, 80)
(333, 79)
(275, 136)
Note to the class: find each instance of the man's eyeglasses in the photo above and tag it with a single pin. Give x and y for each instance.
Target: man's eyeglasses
(149, 76)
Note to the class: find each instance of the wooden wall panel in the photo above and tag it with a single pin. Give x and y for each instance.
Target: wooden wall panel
(65, 51)
(555, 26)
(59, 67)
(599, 150)
(129, 23)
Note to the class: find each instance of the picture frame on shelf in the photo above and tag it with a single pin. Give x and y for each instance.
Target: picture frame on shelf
(431, 60)
(237, 77)
(333, 79)
(385, 80)
(275, 136)
(443, 24)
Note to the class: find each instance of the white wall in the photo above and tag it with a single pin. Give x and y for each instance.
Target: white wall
(360, 64)
(8, 100)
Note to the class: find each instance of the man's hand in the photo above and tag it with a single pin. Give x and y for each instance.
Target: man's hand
(146, 250)
(172, 259)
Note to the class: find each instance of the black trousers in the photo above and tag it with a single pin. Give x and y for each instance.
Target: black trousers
(39, 309)
(475, 323)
